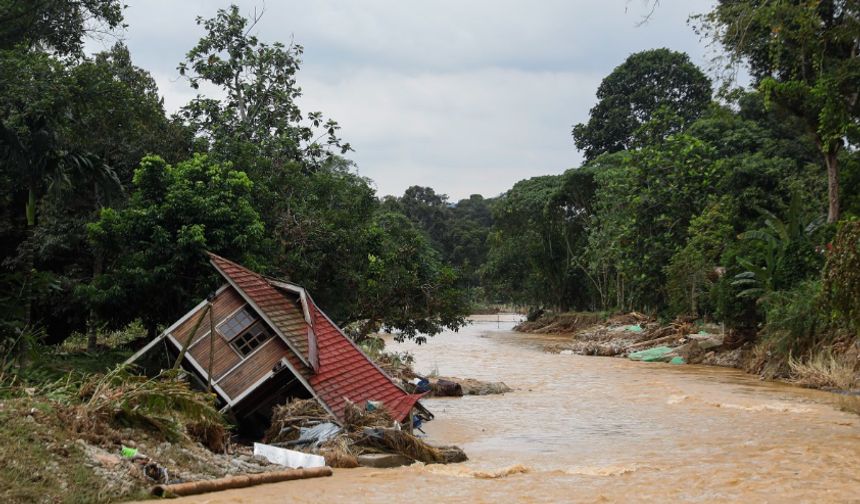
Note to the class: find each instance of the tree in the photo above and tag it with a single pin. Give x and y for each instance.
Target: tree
(644, 207)
(404, 286)
(465, 242)
(804, 57)
(259, 110)
(38, 105)
(154, 250)
(319, 222)
(630, 96)
(58, 24)
(790, 255)
(429, 211)
(122, 118)
(528, 259)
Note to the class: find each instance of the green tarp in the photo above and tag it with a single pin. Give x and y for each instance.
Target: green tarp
(652, 354)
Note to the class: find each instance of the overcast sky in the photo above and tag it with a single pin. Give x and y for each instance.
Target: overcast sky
(464, 96)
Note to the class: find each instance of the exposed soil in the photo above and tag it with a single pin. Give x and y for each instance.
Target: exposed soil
(42, 459)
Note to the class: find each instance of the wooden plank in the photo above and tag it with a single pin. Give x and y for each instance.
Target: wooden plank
(225, 304)
(254, 368)
(225, 357)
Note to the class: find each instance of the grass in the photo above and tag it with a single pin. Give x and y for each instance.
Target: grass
(54, 412)
(822, 370)
(40, 462)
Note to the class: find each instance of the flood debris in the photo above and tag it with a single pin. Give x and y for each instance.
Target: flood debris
(639, 337)
(465, 386)
(287, 458)
(446, 388)
(367, 429)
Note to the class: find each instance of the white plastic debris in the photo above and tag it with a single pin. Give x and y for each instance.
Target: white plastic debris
(288, 458)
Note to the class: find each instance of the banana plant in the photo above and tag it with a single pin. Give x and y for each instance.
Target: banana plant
(762, 279)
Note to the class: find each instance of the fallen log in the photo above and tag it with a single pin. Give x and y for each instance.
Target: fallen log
(653, 341)
(247, 480)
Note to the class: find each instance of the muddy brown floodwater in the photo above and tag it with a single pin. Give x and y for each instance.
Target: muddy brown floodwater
(594, 429)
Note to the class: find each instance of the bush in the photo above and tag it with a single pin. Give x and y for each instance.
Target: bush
(794, 321)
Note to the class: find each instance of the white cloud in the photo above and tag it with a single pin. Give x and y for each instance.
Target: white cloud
(460, 133)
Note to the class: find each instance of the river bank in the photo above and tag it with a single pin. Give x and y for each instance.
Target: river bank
(689, 341)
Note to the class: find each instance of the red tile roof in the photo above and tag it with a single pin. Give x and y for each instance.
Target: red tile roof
(344, 371)
(347, 373)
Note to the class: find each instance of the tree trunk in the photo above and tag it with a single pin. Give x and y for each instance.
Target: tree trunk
(151, 331)
(92, 335)
(24, 344)
(832, 162)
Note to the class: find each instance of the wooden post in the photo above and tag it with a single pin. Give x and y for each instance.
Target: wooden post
(191, 337)
(211, 349)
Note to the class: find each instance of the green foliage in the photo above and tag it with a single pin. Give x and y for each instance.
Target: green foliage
(849, 185)
(404, 287)
(59, 25)
(842, 277)
(528, 260)
(156, 265)
(789, 253)
(259, 111)
(457, 231)
(645, 204)
(693, 270)
(794, 318)
(629, 97)
(802, 55)
(319, 223)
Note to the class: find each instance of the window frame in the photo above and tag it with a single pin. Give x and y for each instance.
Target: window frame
(243, 342)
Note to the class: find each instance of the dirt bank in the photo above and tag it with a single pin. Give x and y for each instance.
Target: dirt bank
(689, 341)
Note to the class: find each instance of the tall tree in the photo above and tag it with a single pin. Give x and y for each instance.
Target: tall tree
(155, 248)
(59, 25)
(405, 287)
(629, 97)
(259, 80)
(804, 56)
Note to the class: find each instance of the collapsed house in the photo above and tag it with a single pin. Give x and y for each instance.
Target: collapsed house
(268, 343)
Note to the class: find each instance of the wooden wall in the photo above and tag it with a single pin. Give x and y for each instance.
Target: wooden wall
(229, 371)
(255, 367)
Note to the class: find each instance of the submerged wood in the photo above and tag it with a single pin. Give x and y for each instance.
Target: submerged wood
(217, 485)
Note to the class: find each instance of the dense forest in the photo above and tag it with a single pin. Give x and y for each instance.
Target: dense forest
(739, 206)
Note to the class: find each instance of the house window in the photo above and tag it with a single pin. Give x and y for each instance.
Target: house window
(236, 324)
(249, 340)
(244, 331)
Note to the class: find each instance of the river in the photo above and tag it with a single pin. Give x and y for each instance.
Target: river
(595, 429)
